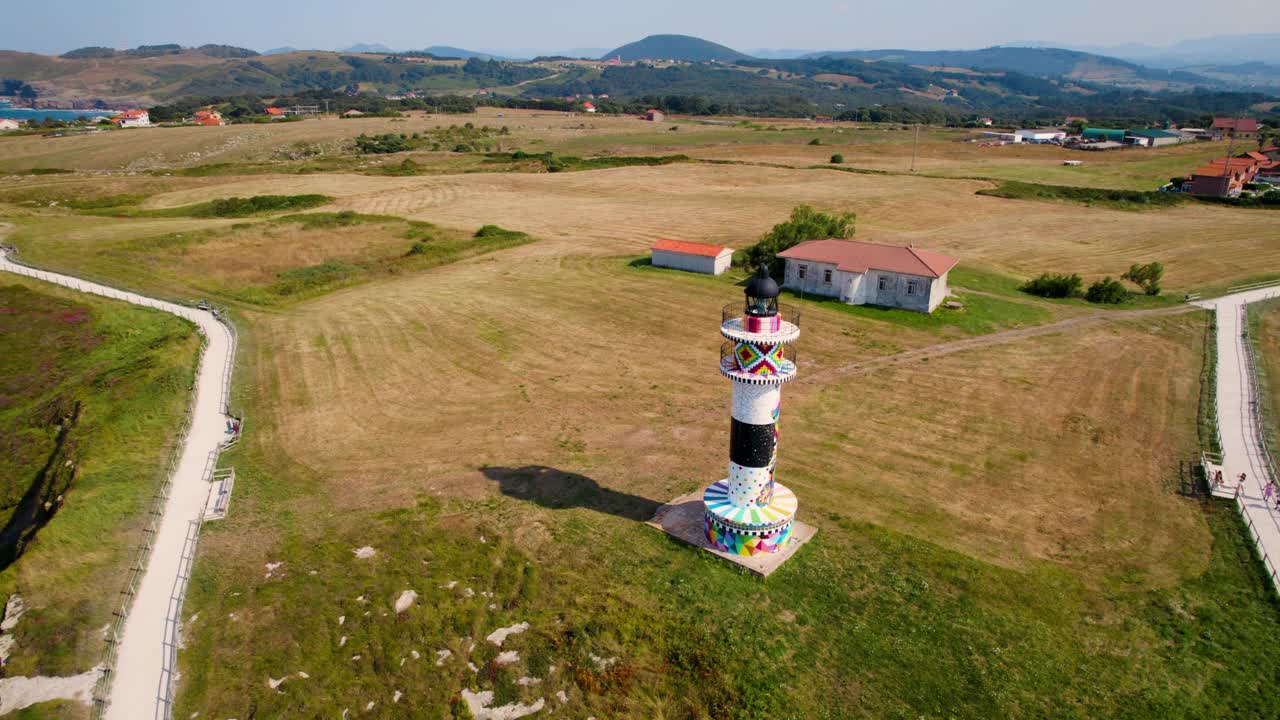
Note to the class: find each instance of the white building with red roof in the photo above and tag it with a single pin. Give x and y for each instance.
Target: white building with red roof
(134, 118)
(862, 273)
(691, 256)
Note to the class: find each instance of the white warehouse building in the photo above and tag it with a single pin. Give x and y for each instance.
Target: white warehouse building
(861, 273)
(691, 256)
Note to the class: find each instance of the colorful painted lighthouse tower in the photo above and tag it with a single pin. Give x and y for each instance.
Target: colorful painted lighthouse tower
(749, 512)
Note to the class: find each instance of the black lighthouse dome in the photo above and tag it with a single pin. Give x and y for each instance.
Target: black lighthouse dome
(762, 294)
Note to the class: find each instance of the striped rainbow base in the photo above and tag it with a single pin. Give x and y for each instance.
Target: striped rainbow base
(737, 542)
(748, 529)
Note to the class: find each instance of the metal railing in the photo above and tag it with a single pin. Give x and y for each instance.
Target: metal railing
(100, 696)
(735, 311)
(1253, 286)
(1259, 435)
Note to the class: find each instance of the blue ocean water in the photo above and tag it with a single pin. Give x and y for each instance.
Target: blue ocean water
(6, 111)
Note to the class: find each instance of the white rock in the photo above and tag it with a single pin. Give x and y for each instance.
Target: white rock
(561, 696)
(13, 610)
(415, 654)
(365, 552)
(478, 703)
(369, 707)
(274, 683)
(506, 657)
(527, 681)
(396, 697)
(303, 675)
(342, 641)
(405, 600)
(441, 656)
(499, 636)
(469, 592)
(601, 663)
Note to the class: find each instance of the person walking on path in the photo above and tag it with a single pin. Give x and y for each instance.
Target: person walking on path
(1266, 494)
(1240, 486)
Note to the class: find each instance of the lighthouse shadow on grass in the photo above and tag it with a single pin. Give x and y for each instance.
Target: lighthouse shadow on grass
(559, 490)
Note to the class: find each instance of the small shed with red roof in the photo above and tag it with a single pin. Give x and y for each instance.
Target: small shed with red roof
(691, 256)
(863, 273)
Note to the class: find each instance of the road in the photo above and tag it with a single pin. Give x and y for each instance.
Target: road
(143, 658)
(1237, 422)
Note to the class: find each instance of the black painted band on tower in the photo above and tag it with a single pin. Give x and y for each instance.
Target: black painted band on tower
(751, 445)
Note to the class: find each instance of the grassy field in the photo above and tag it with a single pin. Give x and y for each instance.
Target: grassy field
(999, 532)
(999, 541)
(91, 394)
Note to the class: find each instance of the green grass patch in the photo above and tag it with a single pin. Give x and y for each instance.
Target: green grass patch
(1091, 197)
(979, 315)
(988, 281)
(91, 395)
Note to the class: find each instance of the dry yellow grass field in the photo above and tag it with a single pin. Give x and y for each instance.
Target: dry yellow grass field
(625, 209)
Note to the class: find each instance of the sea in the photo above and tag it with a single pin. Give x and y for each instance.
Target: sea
(8, 111)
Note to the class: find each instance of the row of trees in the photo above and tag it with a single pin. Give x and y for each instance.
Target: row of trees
(1108, 291)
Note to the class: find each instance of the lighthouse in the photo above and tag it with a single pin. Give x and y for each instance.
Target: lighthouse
(749, 512)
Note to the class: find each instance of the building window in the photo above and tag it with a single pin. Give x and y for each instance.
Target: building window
(802, 268)
(885, 283)
(913, 286)
(826, 276)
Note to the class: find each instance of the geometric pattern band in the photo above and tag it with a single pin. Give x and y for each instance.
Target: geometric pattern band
(758, 359)
(752, 518)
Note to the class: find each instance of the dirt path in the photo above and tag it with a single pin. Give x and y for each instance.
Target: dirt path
(997, 338)
(142, 673)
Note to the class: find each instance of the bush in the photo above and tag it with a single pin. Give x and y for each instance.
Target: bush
(1054, 285)
(418, 248)
(1107, 291)
(837, 159)
(381, 144)
(816, 141)
(244, 207)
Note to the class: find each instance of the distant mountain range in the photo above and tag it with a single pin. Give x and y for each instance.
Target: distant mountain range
(437, 50)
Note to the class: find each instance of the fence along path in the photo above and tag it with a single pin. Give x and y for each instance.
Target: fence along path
(1244, 447)
(139, 666)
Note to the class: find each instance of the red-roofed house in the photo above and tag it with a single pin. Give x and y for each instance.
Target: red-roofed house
(134, 118)
(862, 273)
(1224, 177)
(589, 107)
(1239, 127)
(691, 256)
(208, 117)
(275, 113)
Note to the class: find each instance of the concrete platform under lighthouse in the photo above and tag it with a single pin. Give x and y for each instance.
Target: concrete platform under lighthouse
(682, 519)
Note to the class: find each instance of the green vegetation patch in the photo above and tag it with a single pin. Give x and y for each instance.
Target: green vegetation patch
(1116, 199)
(568, 163)
(91, 396)
(978, 314)
(236, 207)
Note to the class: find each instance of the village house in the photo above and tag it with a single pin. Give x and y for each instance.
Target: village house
(985, 121)
(208, 117)
(8, 124)
(691, 256)
(133, 118)
(1241, 128)
(589, 107)
(862, 273)
(275, 113)
(352, 113)
(654, 115)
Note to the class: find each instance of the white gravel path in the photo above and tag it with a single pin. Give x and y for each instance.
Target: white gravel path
(1241, 452)
(137, 685)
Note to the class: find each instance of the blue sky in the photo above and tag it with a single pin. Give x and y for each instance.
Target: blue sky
(558, 24)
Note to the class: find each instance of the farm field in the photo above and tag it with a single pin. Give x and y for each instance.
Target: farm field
(93, 393)
(999, 532)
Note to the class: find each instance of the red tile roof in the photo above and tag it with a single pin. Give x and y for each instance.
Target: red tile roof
(689, 248)
(132, 114)
(274, 111)
(855, 256)
(1237, 124)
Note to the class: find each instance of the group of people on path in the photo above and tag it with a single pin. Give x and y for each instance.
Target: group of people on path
(1269, 493)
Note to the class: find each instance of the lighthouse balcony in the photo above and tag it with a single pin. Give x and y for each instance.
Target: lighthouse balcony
(782, 327)
(758, 365)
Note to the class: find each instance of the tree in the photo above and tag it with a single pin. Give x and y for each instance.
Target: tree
(805, 223)
(1146, 276)
(1107, 291)
(837, 159)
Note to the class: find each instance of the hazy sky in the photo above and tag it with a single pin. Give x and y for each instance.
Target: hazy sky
(555, 24)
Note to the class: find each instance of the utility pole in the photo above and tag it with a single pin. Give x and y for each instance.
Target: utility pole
(915, 144)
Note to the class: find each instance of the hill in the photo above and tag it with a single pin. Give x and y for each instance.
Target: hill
(1036, 61)
(675, 47)
(449, 51)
